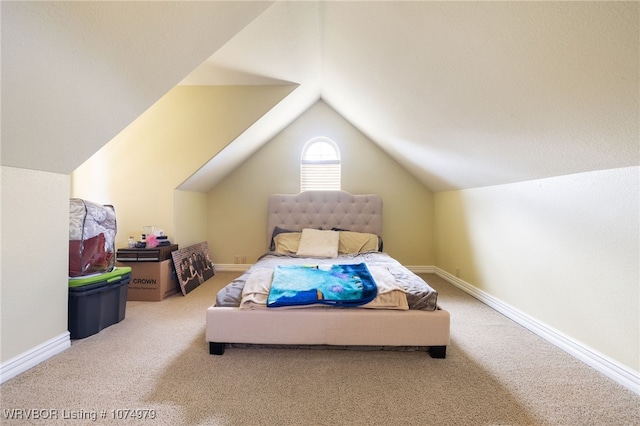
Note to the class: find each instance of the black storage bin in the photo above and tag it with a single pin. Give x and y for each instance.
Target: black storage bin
(97, 302)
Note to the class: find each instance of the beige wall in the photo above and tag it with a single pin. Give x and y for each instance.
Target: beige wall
(548, 247)
(191, 217)
(563, 250)
(237, 207)
(139, 169)
(33, 265)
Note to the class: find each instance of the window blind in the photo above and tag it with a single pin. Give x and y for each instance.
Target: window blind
(320, 175)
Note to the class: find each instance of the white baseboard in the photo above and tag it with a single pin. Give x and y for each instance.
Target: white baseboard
(422, 269)
(232, 267)
(35, 356)
(614, 370)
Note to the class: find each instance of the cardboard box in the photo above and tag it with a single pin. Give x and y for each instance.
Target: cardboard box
(151, 281)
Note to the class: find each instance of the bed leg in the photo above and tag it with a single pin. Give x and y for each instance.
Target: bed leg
(438, 351)
(216, 348)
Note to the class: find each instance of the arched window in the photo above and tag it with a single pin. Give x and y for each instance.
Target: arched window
(320, 165)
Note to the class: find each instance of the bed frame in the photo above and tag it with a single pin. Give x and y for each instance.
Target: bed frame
(320, 326)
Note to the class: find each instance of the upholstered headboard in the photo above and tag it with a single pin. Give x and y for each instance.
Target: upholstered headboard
(325, 210)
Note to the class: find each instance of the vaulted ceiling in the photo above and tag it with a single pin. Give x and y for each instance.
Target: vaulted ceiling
(462, 94)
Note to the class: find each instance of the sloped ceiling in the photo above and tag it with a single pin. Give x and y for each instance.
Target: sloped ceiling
(462, 94)
(468, 94)
(75, 73)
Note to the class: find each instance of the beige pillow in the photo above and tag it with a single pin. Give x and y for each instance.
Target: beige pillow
(317, 243)
(287, 243)
(357, 242)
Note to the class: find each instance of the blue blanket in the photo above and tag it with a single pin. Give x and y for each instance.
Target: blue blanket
(338, 285)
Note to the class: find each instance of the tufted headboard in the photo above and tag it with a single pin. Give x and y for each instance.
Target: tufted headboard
(325, 210)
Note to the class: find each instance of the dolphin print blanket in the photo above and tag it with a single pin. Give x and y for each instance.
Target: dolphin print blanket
(337, 285)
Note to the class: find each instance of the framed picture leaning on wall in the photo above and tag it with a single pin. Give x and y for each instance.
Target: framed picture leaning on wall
(193, 266)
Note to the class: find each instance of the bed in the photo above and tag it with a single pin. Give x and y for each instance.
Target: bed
(240, 315)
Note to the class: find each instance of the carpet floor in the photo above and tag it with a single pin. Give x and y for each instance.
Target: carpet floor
(153, 368)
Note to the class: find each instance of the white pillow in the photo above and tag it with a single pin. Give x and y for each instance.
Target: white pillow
(317, 243)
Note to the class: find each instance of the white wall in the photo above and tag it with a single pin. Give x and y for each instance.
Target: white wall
(34, 259)
(564, 250)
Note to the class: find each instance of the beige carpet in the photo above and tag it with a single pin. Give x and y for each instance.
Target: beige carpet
(496, 373)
